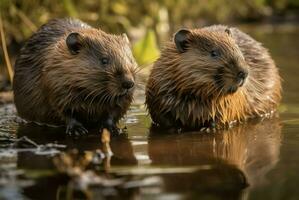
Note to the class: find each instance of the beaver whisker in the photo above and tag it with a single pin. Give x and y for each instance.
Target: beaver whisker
(104, 98)
(94, 97)
(92, 92)
(140, 86)
(112, 99)
(137, 70)
(218, 94)
(211, 90)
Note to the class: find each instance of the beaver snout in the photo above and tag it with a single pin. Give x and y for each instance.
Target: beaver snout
(241, 76)
(127, 84)
(239, 81)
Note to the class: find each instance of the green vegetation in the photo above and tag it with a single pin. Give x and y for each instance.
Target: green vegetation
(146, 50)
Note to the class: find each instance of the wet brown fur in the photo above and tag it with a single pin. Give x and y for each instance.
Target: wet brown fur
(51, 84)
(181, 90)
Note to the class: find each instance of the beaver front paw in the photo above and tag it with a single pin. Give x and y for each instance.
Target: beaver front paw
(75, 128)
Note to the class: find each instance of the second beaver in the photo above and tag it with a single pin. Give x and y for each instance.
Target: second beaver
(213, 75)
(69, 73)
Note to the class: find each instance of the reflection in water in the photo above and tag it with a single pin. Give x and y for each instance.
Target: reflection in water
(225, 162)
(250, 149)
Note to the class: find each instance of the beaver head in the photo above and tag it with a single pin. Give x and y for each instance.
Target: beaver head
(91, 66)
(211, 61)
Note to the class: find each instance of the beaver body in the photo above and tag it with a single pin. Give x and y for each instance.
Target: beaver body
(69, 73)
(213, 75)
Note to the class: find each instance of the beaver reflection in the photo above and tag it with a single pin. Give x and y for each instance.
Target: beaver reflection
(246, 151)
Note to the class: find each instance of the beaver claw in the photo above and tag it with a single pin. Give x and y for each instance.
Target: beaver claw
(75, 128)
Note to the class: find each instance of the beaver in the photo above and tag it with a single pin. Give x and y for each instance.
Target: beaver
(69, 73)
(210, 77)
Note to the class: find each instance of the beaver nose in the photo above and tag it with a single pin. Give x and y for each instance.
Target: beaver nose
(241, 76)
(127, 84)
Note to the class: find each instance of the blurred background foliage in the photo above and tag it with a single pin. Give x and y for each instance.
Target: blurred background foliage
(147, 22)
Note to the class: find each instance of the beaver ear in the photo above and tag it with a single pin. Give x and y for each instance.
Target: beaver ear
(181, 40)
(74, 43)
(228, 31)
(125, 37)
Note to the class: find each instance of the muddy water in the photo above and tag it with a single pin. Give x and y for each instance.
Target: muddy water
(257, 160)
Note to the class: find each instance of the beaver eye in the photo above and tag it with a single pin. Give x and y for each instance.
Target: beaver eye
(104, 61)
(215, 53)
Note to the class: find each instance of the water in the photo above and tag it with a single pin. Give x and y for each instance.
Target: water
(258, 160)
